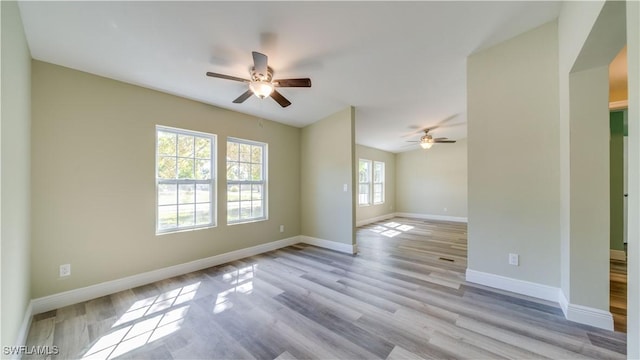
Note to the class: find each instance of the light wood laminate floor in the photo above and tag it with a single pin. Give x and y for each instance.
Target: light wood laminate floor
(403, 296)
(618, 294)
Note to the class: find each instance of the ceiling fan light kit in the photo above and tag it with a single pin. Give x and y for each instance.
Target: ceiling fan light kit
(261, 89)
(427, 141)
(262, 84)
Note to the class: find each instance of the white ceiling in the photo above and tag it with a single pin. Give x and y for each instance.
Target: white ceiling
(401, 64)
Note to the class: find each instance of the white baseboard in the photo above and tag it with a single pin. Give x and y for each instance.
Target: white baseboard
(432, 217)
(619, 255)
(374, 219)
(24, 330)
(523, 287)
(75, 296)
(586, 315)
(331, 245)
(578, 313)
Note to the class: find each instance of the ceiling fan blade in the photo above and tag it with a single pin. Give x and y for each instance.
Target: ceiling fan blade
(280, 99)
(303, 82)
(240, 99)
(442, 138)
(413, 141)
(228, 77)
(444, 141)
(260, 63)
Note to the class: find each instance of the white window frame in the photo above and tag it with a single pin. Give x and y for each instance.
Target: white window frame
(263, 182)
(366, 183)
(381, 183)
(179, 181)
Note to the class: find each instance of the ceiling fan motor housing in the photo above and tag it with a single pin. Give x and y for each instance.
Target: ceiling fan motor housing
(255, 76)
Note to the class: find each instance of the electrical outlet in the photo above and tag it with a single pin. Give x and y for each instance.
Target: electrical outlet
(345, 188)
(514, 259)
(445, 209)
(281, 228)
(65, 270)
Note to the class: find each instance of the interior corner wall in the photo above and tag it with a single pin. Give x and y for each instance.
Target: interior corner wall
(15, 140)
(433, 182)
(364, 213)
(589, 247)
(327, 178)
(513, 148)
(633, 234)
(574, 25)
(93, 171)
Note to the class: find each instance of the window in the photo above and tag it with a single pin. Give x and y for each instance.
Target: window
(185, 180)
(371, 182)
(246, 181)
(378, 182)
(364, 188)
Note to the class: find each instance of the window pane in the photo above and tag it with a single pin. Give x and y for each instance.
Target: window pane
(256, 192)
(363, 195)
(186, 168)
(166, 167)
(256, 154)
(245, 152)
(245, 209)
(378, 172)
(185, 146)
(244, 171)
(203, 169)
(166, 143)
(203, 148)
(186, 194)
(203, 214)
(186, 215)
(167, 217)
(256, 210)
(233, 193)
(233, 211)
(245, 192)
(256, 172)
(167, 194)
(203, 193)
(232, 151)
(377, 193)
(232, 171)
(365, 171)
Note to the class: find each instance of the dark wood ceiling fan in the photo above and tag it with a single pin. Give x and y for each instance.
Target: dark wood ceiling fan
(262, 83)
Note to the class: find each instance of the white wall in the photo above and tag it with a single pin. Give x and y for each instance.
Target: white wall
(590, 35)
(574, 25)
(327, 165)
(368, 213)
(434, 181)
(514, 180)
(15, 194)
(93, 161)
(589, 247)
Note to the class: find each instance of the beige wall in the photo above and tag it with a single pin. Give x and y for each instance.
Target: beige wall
(364, 213)
(327, 158)
(513, 127)
(15, 123)
(93, 149)
(434, 181)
